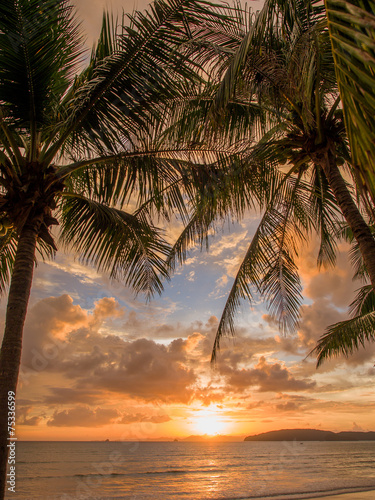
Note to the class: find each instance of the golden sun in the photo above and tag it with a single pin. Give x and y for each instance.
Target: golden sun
(208, 424)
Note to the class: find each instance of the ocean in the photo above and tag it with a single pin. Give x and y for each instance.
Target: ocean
(186, 470)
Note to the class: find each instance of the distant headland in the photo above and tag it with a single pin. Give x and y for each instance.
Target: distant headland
(311, 435)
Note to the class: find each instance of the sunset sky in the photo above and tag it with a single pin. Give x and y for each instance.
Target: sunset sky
(99, 364)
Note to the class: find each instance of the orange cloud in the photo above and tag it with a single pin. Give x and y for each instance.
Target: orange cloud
(83, 417)
(267, 377)
(108, 307)
(140, 417)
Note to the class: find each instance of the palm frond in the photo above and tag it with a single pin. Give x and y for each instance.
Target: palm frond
(346, 337)
(364, 302)
(8, 247)
(40, 47)
(249, 273)
(268, 267)
(351, 24)
(120, 243)
(128, 90)
(195, 231)
(278, 20)
(327, 217)
(356, 259)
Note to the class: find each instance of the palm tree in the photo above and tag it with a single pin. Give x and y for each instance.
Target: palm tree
(76, 149)
(351, 26)
(277, 97)
(297, 83)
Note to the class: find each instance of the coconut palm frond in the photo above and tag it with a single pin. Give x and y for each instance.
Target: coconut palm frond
(113, 179)
(364, 302)
(120, 243)
(195, 231)
(356, 259)
(346, 337)
(38, 74)
(351, 24)
(268, 268)
(8, 247)
(128, 90)
(249, 273)
(327, 217)
(278, 20)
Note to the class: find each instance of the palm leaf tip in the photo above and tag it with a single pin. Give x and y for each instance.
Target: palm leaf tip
(345, 337)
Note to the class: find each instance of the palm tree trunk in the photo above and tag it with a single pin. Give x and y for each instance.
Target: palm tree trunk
(350, 211)
(10, 355)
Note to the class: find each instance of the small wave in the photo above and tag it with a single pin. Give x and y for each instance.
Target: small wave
(91, 474)
(168, 472)
(183, 471)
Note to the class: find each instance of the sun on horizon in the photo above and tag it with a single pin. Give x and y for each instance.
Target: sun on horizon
(209, 423)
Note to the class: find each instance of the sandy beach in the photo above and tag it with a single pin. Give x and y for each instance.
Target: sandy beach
(354, 495)
(360, 495)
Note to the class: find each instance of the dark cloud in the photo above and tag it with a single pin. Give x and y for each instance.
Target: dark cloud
(71, 347)
(130, 418)
(63, 339)
(23, 416)
(315, 319)
(146, 371)
(46, 325)
(83, 417)
(69, 395)
(289, 406)
(267, 377)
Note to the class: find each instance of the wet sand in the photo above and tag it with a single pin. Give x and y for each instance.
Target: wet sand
(360, 495)
(353, 495)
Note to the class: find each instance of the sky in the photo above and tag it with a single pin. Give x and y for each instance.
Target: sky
(99, 363)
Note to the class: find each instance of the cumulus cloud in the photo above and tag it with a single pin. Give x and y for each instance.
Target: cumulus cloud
(266, 377)
(130, 418)
(71, 395)
(85, 367)
(108, 307)
(23, 417)
(143, 370)
(83, 417)
(315, 319)
(48, 323)
(335, 284)
(61, 338)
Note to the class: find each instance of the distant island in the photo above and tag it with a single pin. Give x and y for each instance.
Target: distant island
(311, 435)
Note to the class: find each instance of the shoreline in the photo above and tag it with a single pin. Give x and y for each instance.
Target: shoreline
(367, 493)
(353, 495)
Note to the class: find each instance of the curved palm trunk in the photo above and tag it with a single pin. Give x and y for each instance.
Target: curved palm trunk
(10, 356)
(349, 209)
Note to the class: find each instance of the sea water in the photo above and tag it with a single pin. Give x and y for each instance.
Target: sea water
(186, 470)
